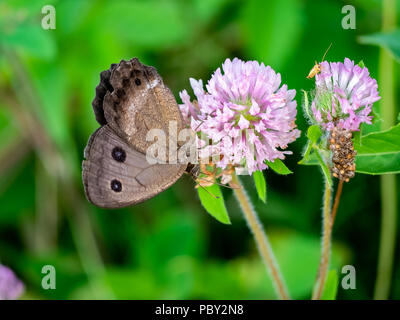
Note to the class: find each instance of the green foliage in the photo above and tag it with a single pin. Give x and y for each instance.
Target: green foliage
(261, 186)
(389, 40)
(167, 247)
(314, 154)
(379, 152)
(213, 202)
(323, 166)
(357, 136)
(314, 133)
(278, 166)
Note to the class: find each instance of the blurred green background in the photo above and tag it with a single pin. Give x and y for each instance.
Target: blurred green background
(167, 247)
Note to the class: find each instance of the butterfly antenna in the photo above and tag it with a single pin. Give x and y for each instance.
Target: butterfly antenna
(201, 122)
(326, 52)
(214, 196)
(224, 185)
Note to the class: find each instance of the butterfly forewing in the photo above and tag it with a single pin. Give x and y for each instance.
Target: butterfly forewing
(131, 100)
(139, 101)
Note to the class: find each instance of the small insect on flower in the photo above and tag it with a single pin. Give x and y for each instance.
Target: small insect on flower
(317, 67)
(209, 173)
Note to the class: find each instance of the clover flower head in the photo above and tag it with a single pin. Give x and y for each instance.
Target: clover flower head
(245, 112)
(11, 287)
(344, 96)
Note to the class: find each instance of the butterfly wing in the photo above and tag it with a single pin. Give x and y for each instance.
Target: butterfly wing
(133, 99)
(116, 175)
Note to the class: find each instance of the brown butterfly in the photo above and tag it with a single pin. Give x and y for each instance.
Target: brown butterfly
(130, 100)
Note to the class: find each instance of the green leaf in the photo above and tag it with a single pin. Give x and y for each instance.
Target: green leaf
(376, 117)
(306, 153)
(261, 187)
(314, 133)
(388, 40)
(357, 137)
(331, 286)
(358, 134)
(213, 201)
(310, 159)
(323, 166)
(279, 167)
(379, 152)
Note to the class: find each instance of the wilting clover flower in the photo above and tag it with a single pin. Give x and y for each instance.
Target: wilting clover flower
(11, 287)
(245, 113)
(344, 96)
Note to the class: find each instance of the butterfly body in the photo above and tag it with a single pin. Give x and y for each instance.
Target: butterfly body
(130, 100)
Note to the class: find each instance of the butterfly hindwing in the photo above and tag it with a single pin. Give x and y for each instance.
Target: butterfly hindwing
(116, 175)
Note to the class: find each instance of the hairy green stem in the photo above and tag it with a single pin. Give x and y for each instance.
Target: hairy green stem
(261, 239)
(326, 244)
(388, 182)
